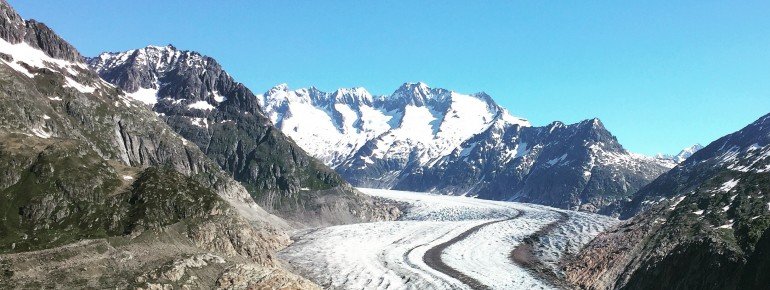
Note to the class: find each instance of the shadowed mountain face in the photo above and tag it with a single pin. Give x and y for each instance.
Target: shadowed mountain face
(702, 225)
(202, 103)
(428, 139)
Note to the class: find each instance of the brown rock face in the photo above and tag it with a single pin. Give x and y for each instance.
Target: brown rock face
(600, 264)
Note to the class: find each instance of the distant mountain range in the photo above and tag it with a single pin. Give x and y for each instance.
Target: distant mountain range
(682, 155)
(428, 139)
(418, 138)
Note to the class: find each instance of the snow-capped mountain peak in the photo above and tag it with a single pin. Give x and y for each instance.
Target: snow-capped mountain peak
(416, 123)
(682, 155)
(730, 161)
(143, 73)
(687, 152)
(416, 94)
(356, 95)
(280, 87)
(157, 58)
(418, 89)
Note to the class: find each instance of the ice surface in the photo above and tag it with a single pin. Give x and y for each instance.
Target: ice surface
(389, 255)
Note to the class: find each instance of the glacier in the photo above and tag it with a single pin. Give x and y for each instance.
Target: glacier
(394, 254)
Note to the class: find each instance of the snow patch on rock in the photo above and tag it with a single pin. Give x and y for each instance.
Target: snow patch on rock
(201, 105)
(147, 96)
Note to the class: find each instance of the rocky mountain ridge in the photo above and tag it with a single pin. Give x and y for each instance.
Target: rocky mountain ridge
(200, 101)
(703, 225)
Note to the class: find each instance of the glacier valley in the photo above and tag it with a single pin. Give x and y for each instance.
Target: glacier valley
(445, 242)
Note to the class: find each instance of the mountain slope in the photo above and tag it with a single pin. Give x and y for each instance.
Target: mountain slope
(743, 152)
(95, 190)
(577, 166)
(702, 225)
(201, 102)
(427, 139)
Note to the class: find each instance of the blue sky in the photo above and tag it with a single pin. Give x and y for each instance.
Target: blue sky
(660, 75)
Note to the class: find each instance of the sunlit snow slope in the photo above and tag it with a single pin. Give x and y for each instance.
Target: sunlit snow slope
(442, 242)
(415, 125)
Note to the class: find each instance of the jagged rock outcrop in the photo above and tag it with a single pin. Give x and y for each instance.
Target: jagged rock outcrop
(702, 225)
(200, 101)
(244, 276)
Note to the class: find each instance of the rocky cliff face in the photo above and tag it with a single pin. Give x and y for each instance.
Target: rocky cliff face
(427, 139)
(95, 190)
(205, 105)
(702, 225)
